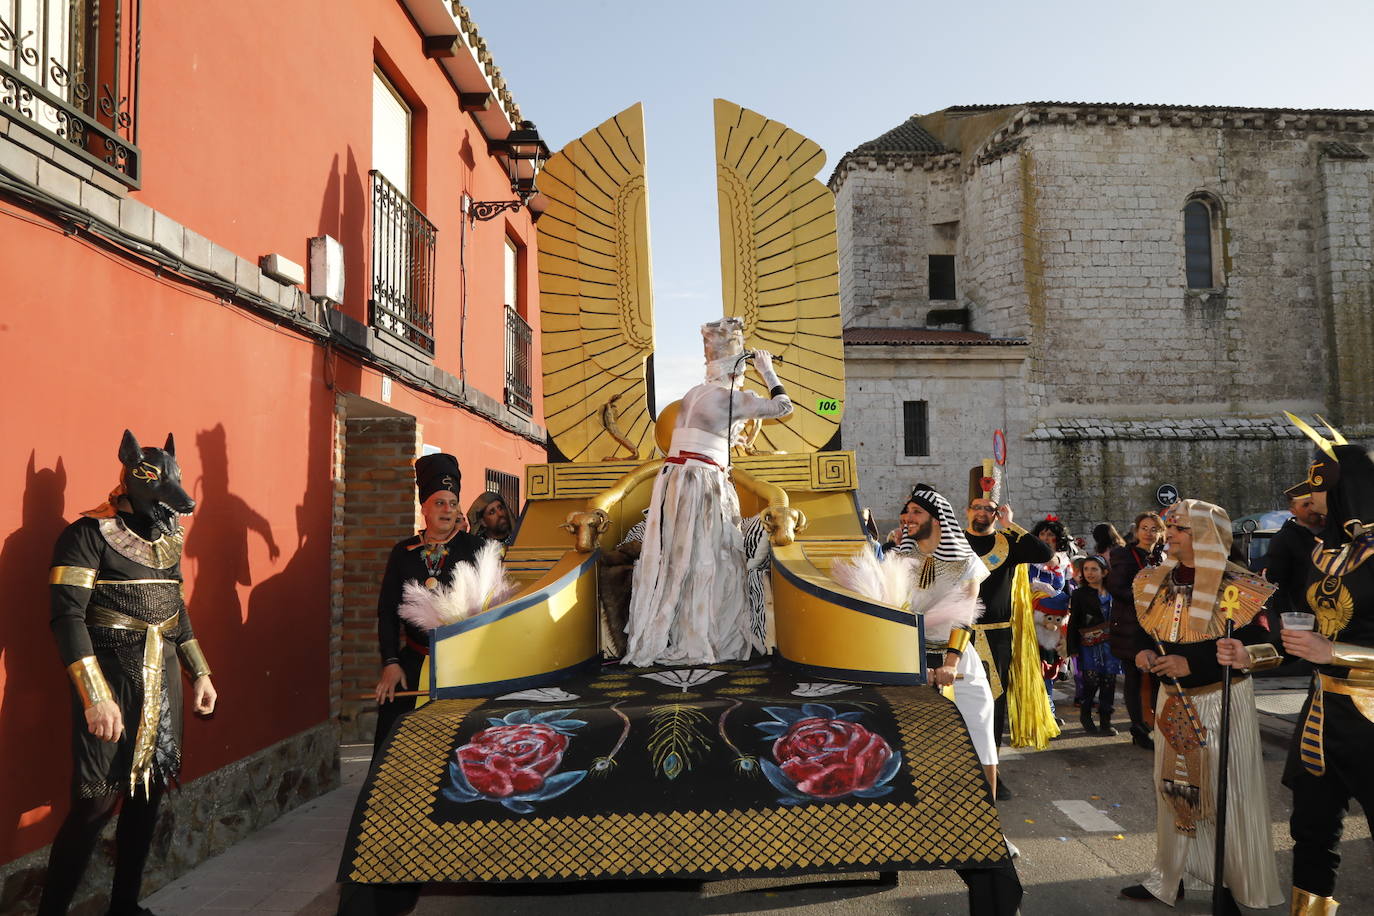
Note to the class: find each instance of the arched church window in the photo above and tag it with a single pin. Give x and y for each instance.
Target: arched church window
(1200, 243)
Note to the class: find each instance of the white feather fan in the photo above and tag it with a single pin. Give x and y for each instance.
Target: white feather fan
(958, 607)
(471, 589)
(887, 580)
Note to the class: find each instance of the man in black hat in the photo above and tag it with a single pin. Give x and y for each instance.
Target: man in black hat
(428, 558)
(1290, 551)
(1003, 546)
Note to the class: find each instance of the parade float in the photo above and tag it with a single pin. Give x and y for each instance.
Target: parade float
(535, 759)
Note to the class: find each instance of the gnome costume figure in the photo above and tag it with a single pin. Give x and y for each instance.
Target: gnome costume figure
(688, 604)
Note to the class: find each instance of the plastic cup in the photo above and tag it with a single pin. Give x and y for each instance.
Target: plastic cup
(1297, 620)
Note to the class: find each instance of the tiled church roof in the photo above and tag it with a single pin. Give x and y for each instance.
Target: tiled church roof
(907, 137)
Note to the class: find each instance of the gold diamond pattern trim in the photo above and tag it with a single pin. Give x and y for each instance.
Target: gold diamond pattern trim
(952, 823)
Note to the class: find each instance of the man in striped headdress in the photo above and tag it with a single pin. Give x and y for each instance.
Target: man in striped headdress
(1182, 605)
(945, 592)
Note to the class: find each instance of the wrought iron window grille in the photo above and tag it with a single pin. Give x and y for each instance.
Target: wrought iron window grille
(402, 301)
(518, 364)
(69, 71)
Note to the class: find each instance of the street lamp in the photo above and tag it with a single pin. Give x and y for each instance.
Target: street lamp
(525, 154)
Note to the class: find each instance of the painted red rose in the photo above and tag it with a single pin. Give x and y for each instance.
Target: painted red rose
(507, 760)
(830, 758)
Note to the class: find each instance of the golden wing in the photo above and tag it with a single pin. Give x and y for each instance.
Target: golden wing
(780, 269)
(596, 306)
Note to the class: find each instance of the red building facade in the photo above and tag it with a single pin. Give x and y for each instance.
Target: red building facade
(163, 170)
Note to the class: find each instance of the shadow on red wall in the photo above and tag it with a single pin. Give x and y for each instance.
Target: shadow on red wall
(34, 710)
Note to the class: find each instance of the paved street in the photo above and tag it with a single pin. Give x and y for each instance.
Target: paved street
(1083, 817)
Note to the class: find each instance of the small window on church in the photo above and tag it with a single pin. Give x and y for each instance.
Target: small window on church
(1198, 250)
(942, 277)
(915, 432)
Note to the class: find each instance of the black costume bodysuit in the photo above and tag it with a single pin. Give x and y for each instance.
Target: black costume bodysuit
(137, 578)
(108, 583)
(1339, 739)
(1002, 551)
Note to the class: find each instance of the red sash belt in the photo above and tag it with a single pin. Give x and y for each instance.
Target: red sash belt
(684, 457)
(421, 647)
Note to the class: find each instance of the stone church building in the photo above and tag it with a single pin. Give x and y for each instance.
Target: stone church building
(1134, 293)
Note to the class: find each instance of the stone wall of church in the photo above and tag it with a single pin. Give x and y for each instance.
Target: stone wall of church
(970, 391)
(1346, 278)
(1118, 319)
(880, 218)
(1092, 470)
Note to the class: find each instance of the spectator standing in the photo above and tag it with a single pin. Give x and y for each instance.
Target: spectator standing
(1090, 613)
(1123, 565)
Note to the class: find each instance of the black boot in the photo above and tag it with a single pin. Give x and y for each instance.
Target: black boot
(1140, 737)
(1106, 728)
(1085, 715)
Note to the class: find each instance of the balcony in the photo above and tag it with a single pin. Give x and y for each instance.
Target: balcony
(402, 301)
(518, 363)
(69, 72)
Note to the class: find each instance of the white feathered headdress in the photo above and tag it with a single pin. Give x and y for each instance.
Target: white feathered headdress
(471, 589)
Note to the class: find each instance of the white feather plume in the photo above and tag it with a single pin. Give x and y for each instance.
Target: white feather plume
(959, 607)
(471, 589)
(887, 580)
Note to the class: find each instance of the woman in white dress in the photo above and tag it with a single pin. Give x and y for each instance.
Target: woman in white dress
(688, 602)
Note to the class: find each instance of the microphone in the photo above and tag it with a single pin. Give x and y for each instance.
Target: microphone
(749, 354)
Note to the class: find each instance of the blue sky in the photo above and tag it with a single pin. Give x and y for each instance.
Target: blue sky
(843, 73)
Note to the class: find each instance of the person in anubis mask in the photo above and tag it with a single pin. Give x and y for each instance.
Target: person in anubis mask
(1182, 606)
(1328, 761)
(120, 624)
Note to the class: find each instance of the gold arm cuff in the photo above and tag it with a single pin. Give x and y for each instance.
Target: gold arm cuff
(77, 576)
(1012, 526)
(90, 681)
(194, 659)
(1352, 656)
(1263, 656)
(958, 641)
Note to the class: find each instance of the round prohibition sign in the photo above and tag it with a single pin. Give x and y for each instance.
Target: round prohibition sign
(999, 448)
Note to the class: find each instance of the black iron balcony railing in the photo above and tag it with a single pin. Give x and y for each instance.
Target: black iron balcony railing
(402, 300)
(69, 71)
(518, 339)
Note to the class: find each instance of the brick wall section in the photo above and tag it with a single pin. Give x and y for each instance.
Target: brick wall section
(379, 509)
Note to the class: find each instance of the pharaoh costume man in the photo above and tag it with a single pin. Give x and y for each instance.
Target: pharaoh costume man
(1332, 748)
(945, 592)
(1182, 612)
(1007, 627)
(120, 622)
(688, 604)
(417, 559)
